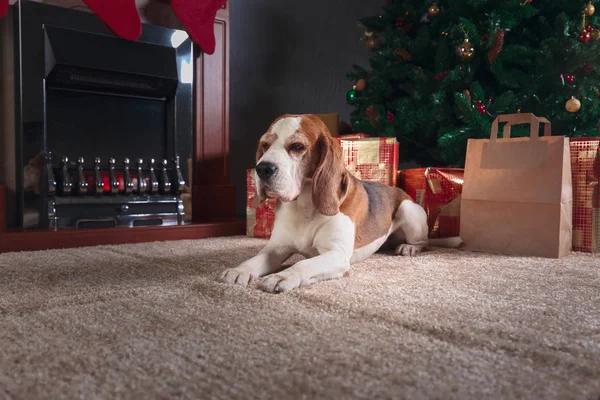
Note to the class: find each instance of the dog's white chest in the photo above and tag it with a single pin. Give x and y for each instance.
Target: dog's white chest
(311, 231)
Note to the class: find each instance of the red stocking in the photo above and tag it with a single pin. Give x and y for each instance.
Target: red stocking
(198, 17)
(120, 16)
(3, 7)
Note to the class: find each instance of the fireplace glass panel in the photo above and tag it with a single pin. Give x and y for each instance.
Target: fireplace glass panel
(88, 124)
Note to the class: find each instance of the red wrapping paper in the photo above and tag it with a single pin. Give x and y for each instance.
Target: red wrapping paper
(259, 220)
(438, 191)
(585, 169)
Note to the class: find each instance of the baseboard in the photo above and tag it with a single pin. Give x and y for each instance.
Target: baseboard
(21, 240)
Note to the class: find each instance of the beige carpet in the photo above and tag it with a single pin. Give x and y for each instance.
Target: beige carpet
(149, 321)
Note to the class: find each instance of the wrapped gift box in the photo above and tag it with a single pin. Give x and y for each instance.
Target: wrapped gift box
(438, 191)
(371, 159)
(585, 169)
(261, 218)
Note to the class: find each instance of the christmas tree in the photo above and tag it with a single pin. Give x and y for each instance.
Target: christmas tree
(441, 72)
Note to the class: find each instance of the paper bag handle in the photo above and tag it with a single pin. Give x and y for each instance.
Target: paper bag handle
(516, 119)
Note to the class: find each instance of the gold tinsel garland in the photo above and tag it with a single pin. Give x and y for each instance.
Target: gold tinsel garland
(496, 48)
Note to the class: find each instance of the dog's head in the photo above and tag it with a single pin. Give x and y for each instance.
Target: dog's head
(298, 150)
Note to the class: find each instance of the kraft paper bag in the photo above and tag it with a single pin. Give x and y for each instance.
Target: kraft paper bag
(517, 196)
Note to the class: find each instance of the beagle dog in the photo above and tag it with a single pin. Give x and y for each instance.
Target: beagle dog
(323, 212)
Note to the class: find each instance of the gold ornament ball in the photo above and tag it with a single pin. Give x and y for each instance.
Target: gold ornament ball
(573, 105)
(371, 43)
(433, 10)
(590, 9)
(465, 50)
(361, 84)
(595, 35)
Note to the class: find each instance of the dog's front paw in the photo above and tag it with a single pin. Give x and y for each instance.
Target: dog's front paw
(277, 283)
(408, 249)
(236, 276)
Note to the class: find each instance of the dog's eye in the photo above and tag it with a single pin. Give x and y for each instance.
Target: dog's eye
(265, 146)
(297, 147)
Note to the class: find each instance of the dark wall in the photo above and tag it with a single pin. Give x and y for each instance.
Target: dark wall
(288, 57)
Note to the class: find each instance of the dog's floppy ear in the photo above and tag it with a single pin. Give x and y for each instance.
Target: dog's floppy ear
(258, 193)
(258, 197)
(260, 150)
(330, 180)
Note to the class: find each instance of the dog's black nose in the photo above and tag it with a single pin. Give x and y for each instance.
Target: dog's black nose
(265, 170)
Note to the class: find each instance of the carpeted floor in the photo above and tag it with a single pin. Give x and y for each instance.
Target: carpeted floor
(149, 321)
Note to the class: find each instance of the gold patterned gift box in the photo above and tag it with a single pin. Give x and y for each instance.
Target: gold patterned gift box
(373, 159)
(438, 191)
(332, 121)
(585, 168)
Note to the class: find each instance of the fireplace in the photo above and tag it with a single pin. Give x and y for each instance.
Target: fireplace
(103, 127)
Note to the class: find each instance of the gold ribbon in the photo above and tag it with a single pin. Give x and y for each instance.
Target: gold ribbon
(451, 209)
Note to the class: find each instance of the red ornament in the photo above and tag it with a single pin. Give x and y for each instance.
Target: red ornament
(584, 36)
(390, 117)
(400, 22)
(589, 28)
(570, 79)
(479, 106)
(485, 37)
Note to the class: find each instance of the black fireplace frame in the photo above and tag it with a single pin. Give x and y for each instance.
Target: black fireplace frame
(50, 39)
